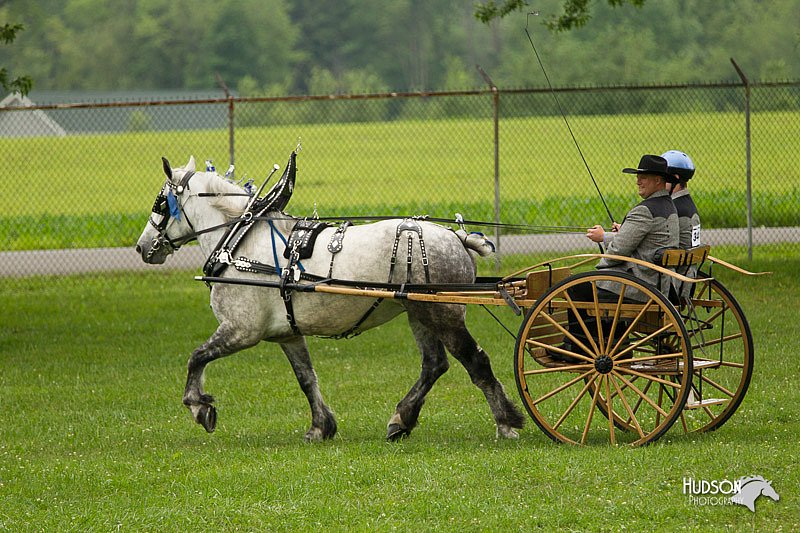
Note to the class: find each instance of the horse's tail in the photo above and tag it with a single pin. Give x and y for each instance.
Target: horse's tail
(476, 242)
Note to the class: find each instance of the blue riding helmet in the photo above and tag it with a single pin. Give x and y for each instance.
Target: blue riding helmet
(679, 163)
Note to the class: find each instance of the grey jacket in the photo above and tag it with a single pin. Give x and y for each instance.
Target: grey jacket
(650, 225)
(689, 226)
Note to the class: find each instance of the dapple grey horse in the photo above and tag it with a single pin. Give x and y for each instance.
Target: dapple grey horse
(203, 203)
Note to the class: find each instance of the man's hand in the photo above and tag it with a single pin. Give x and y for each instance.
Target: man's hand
(596, 233)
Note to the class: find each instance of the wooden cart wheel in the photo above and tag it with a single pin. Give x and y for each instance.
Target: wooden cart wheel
(722, 347)
(631, 362)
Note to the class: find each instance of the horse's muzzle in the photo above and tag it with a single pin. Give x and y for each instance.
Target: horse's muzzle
(152, 253)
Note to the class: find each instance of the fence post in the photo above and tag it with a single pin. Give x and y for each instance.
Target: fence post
(747, 156)
(229, 96)
(496, 120)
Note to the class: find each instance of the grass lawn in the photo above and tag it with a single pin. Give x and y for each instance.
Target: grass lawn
(95, 436)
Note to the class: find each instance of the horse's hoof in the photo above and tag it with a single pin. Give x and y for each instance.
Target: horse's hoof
(396, 432)
(506, 432)
(314, 435)
(207, 417)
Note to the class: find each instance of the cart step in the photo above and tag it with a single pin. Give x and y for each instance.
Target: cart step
(705, 403)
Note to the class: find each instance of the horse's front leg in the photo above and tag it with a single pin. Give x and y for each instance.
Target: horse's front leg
(223, 342)
(323, 423)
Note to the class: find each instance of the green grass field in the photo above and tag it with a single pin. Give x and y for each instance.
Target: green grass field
(95, 436)
(96, 190)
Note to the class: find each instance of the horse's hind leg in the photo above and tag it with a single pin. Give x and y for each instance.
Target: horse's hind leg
(434, 364)
(448, 323)
(225, 341)
(464, 348)
(323, 423)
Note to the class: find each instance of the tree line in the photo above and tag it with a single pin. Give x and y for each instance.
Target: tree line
(275, 48)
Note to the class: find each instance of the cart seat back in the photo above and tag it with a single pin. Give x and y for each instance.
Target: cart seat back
(685, 262)
(679, 257)
(539, 281)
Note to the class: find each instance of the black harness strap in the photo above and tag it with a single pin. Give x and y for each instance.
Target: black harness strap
(352, 332)
(337, 243)
(290, 273)
(303, 237)
(300, 245)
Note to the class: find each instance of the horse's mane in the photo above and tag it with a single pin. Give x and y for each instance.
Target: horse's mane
(234, 204)
(745, 480)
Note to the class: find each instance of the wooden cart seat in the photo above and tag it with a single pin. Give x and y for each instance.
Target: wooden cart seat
(679, 257)
(540, 281)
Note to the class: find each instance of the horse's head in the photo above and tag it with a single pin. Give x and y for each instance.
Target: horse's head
(176, 220)
(769, 492)
(168, 227)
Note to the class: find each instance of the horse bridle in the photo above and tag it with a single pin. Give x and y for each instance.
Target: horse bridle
(161, 207)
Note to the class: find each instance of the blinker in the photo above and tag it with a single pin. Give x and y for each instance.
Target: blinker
(172, 202)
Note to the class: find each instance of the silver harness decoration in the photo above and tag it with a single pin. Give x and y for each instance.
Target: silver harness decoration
(412, 226)
(337, 243)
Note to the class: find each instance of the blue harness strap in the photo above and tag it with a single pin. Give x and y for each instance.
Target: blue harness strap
(273, 230)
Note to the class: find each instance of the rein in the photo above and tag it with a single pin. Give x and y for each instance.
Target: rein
(564, 116)
(480, 223)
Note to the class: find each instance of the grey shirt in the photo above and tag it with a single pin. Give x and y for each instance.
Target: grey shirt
(650, 225)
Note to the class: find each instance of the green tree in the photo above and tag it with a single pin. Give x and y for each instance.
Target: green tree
(575, 13)
(21, 84)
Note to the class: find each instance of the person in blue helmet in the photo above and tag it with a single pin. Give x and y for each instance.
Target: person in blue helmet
(681, 168)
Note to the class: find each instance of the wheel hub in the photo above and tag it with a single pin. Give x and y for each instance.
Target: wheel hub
(603, 364)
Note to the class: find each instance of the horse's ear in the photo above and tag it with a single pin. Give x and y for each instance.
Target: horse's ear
(191, 166)
(167, 167)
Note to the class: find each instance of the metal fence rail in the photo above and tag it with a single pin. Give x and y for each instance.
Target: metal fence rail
(83, 175)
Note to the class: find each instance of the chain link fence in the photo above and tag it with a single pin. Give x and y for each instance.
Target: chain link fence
(79, 179)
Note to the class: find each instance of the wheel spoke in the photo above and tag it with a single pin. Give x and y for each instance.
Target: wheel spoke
(558, 349)
(564, 386)
(660, 402)
(720, 340)
(610, 410)
(639, 401)
(631, 414)
(591, 414)
(643, 340)
(575, 401)
(639, 317)
(548, 370)
(640, 393)
(716, 385)
(683, 421)
(597, 319)
(650, 377)
(566, 334)
(583, 326)
(617, 312)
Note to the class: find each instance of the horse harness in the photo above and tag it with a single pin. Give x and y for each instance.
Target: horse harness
(300, 245)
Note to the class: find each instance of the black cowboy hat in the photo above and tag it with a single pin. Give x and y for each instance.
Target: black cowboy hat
(650, 164)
